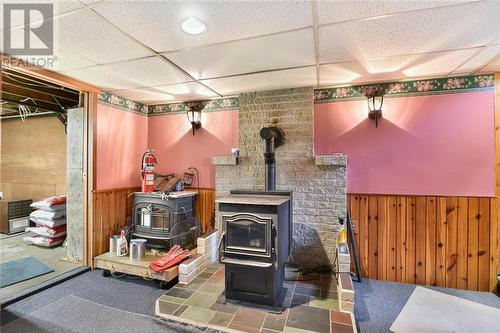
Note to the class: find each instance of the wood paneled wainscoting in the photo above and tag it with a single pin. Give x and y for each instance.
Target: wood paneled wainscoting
(205, 207)
(441, 241)
(111, 207)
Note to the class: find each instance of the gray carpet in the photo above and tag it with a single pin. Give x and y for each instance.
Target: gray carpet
(133, 295)
(378, 303)
(74, 314)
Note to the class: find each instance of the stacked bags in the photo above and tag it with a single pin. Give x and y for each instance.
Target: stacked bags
(50, 220)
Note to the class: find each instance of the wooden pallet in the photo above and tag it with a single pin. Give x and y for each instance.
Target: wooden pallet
(139, 268)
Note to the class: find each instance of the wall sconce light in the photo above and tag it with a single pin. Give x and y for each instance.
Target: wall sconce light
(375, 102)
(194, 117)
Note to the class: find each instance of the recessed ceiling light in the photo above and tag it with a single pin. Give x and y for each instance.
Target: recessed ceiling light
(193, 26)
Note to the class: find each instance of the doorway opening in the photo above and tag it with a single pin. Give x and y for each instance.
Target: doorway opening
(42, 183)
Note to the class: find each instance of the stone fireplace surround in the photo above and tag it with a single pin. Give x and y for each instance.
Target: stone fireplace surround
(318, 183)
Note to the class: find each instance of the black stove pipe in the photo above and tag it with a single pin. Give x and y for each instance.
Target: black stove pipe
(273, 137)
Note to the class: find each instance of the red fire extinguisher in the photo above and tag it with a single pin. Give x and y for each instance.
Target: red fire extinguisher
(148, 163)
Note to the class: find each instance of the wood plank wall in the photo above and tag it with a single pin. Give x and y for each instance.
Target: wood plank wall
(205, 207)
(442, 241)
(111, 207)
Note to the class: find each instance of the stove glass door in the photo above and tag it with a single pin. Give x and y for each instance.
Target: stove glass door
(153, 217)
(248, 234)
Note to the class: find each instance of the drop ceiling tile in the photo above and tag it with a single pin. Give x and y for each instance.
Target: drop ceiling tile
(337, 11)
(59, 7)
(440, 29)
(288, 78)
(145, 72)
(100, 77)
(493, 66)
(145, 95)
(435, 64)
(66, 60)
(148, 72)
(285, 50)
(16, 37)
(88, 35)
(482, 58)
(395, 68)
(63, 60)
(90, 2)
(157, 23)
(188, 91)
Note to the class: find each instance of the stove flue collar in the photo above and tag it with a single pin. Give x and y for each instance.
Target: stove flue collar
(273, 132)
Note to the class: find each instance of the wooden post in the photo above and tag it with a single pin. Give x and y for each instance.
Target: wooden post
(495, 229)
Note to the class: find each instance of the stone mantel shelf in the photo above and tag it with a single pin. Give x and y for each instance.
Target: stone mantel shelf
(331, 160)
(225, 160)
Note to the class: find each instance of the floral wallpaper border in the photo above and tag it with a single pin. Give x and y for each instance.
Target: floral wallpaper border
(129, 105)
(123, 103)
(439, 86)
(447, 85)
(208, 105)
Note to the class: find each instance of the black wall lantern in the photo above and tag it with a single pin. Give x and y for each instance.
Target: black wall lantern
(194, 115)
(375, 102)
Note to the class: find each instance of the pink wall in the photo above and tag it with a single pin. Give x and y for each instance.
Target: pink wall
(177, 149)
(432, 145)
(121, 140)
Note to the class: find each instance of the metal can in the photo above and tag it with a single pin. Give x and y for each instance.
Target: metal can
(113, 244)
(137, 249)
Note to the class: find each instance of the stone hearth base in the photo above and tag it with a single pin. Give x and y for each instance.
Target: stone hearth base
(311, 305)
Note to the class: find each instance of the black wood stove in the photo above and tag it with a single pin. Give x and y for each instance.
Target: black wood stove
(164, 219)
(256, 236)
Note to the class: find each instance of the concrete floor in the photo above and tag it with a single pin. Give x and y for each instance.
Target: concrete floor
(13, 247)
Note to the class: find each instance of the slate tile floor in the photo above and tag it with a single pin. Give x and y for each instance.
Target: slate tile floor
(311, 305)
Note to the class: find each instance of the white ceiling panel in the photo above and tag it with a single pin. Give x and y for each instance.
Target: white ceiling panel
(442, 63)
(479, 60)
(59, 7)
(64, 60)
(338, 11)
(292, 49)
(188, 91)
(16, 36)
(102, 78)
(493, 66)
(289, 78)
(145, 96)
(146, 72)
(88, 35)
(393, 68)
(90, 2)
(157, 23)
(440, 29)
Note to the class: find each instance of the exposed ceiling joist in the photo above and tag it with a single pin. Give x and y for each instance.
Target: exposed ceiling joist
(12, 99)
(23, 95)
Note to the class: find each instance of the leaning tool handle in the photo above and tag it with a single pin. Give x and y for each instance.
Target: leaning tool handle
(221, 241)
